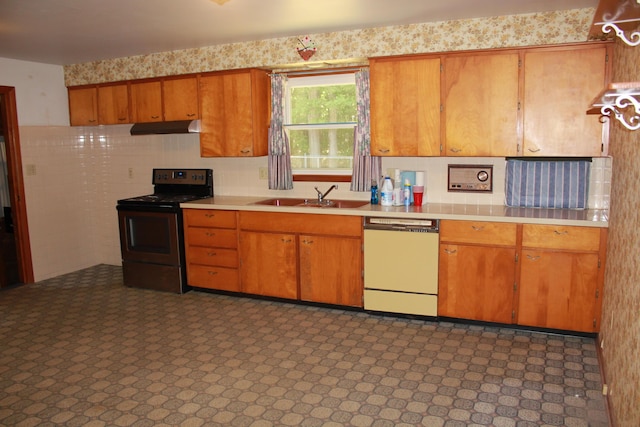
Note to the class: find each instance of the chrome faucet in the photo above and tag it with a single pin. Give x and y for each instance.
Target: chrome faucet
(322, 196)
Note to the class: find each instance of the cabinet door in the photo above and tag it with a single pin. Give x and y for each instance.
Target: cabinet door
(234, 109)
(146, 101)
(405, 106)
(559, 85)
(113, 104)
(83, 106)
(331, 270)
(558, 290)
(476, 282)
(268, 264)
(180, 98)
(481, 105)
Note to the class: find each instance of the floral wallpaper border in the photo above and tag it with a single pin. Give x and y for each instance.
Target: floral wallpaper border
(481, 33)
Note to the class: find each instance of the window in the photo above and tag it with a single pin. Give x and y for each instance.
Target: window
(320, 117)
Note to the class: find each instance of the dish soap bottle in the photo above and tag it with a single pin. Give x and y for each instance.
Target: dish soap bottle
(374, 192)
(386, 193)
(407, 192)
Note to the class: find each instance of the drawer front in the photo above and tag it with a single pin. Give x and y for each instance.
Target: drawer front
(223, 279)
(212, 256)
(560, 237)
(210, 218)
(212, 237)
(486, 233)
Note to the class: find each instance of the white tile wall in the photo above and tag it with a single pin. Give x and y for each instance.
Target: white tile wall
(80, 173)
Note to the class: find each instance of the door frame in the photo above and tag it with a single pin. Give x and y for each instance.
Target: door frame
(9, 117)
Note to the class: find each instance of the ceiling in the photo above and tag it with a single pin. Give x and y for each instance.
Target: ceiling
(67, 32)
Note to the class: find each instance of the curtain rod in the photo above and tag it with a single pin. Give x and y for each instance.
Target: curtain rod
(317, 71)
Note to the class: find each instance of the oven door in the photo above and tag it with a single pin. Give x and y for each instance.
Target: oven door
(149, 236)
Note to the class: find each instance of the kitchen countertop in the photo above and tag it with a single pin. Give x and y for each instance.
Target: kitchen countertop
(493, 213)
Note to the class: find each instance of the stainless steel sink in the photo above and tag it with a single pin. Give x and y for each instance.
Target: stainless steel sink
(312, 203)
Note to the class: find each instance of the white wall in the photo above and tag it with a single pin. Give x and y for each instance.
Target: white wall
(40, 92)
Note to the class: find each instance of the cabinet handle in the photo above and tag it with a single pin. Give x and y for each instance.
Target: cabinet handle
(476, 228)
(209, 234)
(209, 215)
(211, 254)
(450, 251)
(155, 117)
(533, 258)
(307, 242)
(245, 151)
(212, 273)
(92, 120)
(533, 150)
(122, 119)
(560, 233)
(383, 150)
(191, 115)
(285, 240)
(455, 150)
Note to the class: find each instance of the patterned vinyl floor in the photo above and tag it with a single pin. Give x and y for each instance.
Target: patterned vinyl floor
(83, 350)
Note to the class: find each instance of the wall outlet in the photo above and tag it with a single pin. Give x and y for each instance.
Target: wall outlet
(263, 173)
(130, 173)
(30, 169)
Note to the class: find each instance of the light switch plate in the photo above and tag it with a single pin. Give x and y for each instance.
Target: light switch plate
(470, 178)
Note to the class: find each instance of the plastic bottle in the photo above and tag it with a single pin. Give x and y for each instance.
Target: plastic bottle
(374, 192)
(386, 193)
(406, 192)
(398, 200)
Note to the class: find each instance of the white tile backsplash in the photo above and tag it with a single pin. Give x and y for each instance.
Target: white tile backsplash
(82, 172)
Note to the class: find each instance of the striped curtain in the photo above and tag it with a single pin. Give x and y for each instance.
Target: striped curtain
(280, 174)
(366, 168)
(547, 184)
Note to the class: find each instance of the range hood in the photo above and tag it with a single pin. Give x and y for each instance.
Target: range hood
(159, 128)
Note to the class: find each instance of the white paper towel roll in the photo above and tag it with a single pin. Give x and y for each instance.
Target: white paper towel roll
(420, 178)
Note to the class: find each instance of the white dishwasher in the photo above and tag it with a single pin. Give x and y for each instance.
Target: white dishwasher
(401, 265)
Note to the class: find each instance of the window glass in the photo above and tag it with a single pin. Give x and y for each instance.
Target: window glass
(320, 119)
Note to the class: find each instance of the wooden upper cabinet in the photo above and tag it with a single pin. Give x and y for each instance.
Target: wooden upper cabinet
(113, 104)
(146, 101)
(481, 104)
(83, 106)
(559, 85)
(180, 98)
(235, 113)
(405, 106)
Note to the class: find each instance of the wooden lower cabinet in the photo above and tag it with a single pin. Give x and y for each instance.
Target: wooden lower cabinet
(308, 257)
(269, 263)
(211, 247)
(477, 270)
(476, 282)
(543, 276)
(325, 273)
(561, 277)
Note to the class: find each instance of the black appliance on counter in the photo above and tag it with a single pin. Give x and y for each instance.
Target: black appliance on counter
(151, 229)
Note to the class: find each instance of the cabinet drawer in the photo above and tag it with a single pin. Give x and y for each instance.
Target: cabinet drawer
(492, 233)
(210, 218)
(212, 256)
(224, 279)
(559, 237)
(212, 237)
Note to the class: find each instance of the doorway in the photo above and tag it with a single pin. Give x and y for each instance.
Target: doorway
(15, 251)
